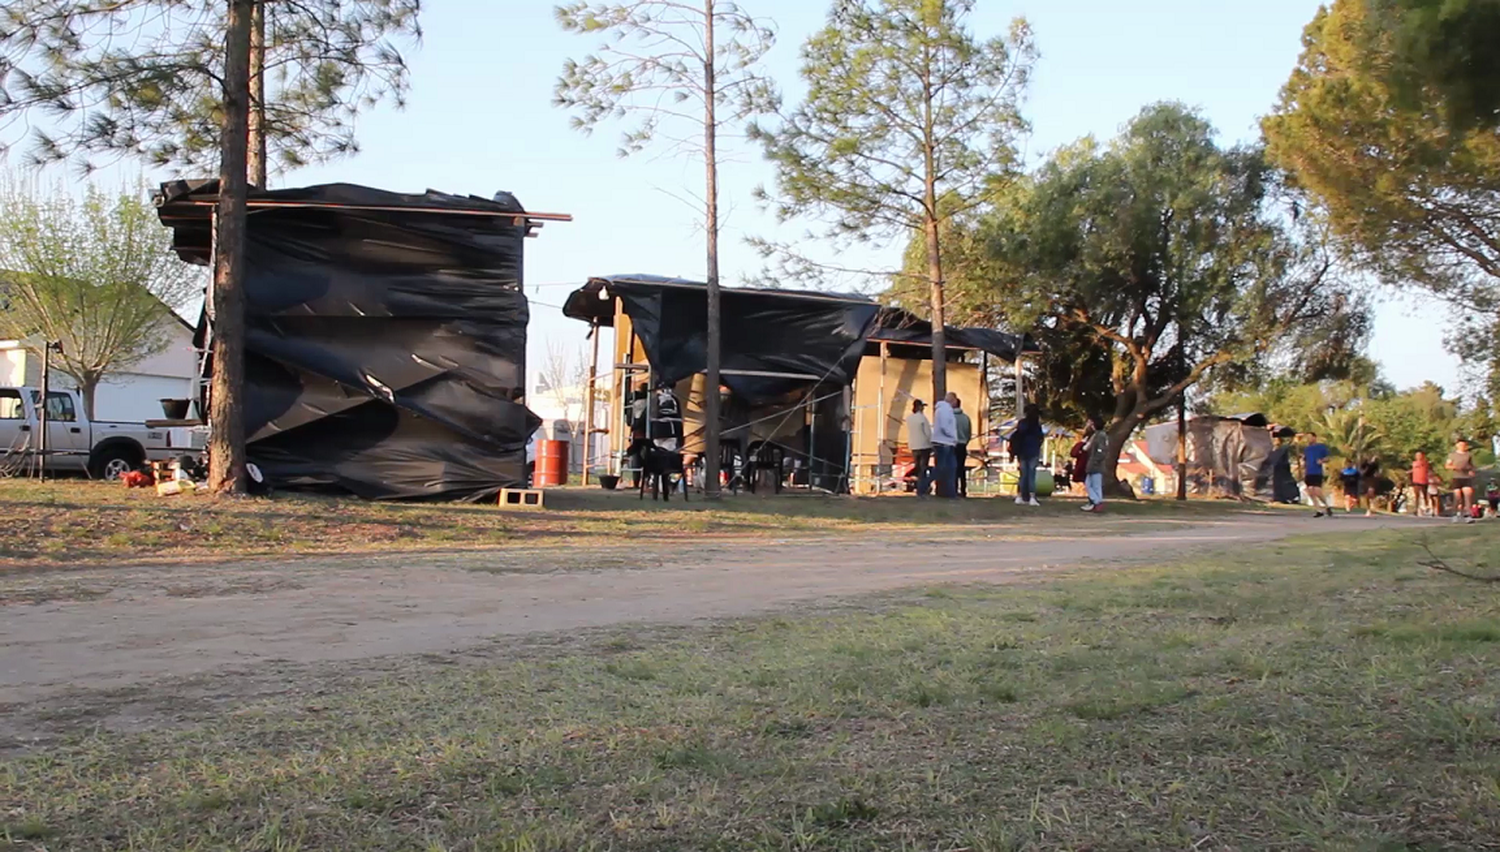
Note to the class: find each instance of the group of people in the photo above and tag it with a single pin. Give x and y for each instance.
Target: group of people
(1088, 459)
(1362, 481)
(940, 447)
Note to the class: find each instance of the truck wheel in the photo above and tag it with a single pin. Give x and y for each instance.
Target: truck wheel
(109, 463)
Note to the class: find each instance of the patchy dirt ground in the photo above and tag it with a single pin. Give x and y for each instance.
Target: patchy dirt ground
(111, 632)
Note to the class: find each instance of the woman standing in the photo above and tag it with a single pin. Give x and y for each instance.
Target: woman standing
(1026, 446)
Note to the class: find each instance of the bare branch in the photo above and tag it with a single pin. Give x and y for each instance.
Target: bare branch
(1436, 563)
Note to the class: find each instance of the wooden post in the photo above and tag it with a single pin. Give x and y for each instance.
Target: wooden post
(1182, 447)
(882, 432)
(588, 403)
(1020, 391)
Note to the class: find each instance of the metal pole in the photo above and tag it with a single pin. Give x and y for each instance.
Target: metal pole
(812, 439)
(41, 412)
(588, 402)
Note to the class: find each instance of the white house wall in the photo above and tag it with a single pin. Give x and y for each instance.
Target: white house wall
(135, 397)
(131, 395)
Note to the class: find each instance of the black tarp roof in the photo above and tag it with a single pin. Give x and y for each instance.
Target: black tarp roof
(895, 325)
(385, 336)
(774, 341)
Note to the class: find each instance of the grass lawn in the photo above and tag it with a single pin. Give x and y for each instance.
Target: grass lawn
(1317, 694)
(73, 521)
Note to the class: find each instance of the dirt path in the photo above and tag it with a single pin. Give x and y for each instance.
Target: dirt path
(108, 628)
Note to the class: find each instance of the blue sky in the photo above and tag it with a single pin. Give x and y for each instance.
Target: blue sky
(479, 118)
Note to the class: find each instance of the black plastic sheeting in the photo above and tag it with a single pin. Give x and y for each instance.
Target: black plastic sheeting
(804, 337)
(895, 325)
(385, 348)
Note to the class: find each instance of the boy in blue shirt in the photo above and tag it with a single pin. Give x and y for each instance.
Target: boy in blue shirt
(1312, 474)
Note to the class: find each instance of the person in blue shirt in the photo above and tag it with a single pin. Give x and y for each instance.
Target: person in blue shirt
(1349, 476)
(1312, 474)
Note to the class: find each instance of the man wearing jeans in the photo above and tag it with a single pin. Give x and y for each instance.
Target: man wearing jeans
(919, 441)
(961, 449)
(944, 443)
(1095, 450)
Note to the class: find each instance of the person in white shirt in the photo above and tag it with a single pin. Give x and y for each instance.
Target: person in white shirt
(919, 441)
(944, 445)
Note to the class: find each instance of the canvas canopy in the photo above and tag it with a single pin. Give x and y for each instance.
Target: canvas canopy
(1226, 456)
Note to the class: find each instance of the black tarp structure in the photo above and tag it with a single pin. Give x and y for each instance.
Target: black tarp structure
(777, 347)
(385, 336)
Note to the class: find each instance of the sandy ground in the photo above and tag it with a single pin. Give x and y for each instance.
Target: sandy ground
(118, 626)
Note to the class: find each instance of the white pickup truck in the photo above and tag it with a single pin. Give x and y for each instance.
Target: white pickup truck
(102, 449)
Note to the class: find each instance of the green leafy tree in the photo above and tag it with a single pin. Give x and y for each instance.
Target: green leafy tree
(144, 77)
(1350, 434)
(1443, 52)
(687, 71)
(1407, 195)
(1166, 250)
(97, 274)
(907, 121)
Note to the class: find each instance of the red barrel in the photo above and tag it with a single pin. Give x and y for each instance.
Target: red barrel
(551, 464)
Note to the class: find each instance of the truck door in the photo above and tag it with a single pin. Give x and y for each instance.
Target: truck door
(15, 435)
(67, 437)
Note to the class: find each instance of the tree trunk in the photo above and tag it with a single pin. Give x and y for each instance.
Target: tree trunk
(711, 228)
(226, 415)
(935, 280)
(930, 227)
(256, 169)
(86, 389)
(1119, 434)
